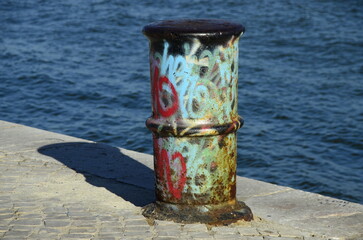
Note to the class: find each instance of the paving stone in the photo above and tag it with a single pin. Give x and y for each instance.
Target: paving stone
(26, 204)
(18, 233)
(56, 223)
(81, 214)
(54, 208)
(109, 235)
(7, 205)
(171, 233)
(137, 234)
(225, 230)
(59, 217)
(83, 230)
(201, 235)
(253, 237)
(226, 236)
(106, 229)
(28, 222)
(141, 237)
(105, 219)
(30, 216)
(77, 236)
(83, 224)
(282, 238)
(25, 228)
(194, 227)
(131, 228)
(166, 238)
(247, 231)
(136, 222)
(42, 237)
(48, 230)
(4, 198)
(6, 217)
(4, 227)
(7, 189)
(64, 173)
(11, 237)
(114, 224)
(104, 237)
(291, 232)
(86, 219)
(130, 215)
(324, 238)
(169, 227)
(10, 180)
(267, 231)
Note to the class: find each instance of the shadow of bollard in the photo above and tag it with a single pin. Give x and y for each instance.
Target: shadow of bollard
(105, 166)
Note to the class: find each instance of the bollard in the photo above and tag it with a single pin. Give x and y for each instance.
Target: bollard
(194, 73)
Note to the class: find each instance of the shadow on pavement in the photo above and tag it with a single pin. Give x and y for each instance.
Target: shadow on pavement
(105, 166)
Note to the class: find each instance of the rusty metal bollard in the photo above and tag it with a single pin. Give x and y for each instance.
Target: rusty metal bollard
(194, 73)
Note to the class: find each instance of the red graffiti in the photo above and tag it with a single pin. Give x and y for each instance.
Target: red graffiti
(176, 191)
(163, 168)
(157, 88)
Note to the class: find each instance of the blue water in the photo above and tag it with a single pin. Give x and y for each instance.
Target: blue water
(81, 68)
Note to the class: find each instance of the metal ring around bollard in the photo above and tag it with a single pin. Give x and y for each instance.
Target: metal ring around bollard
(194, 74)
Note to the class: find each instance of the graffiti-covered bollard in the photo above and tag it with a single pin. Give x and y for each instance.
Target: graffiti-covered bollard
(194, 68)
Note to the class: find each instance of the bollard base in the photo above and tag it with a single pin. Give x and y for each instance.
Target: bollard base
(221, 214)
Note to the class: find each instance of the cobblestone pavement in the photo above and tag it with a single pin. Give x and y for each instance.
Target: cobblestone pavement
(46, 197)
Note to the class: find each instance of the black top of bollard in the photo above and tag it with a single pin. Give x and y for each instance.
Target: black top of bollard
(211, 28)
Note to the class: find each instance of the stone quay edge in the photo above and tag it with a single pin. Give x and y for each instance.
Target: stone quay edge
(54, 186)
